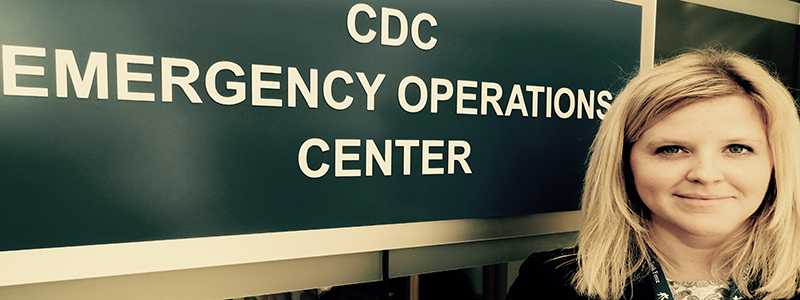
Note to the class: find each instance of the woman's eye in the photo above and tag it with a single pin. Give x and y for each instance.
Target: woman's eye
(739, 149)
(669, 149)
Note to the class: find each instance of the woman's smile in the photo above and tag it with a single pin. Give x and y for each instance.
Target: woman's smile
(700, 196)
(702, 201)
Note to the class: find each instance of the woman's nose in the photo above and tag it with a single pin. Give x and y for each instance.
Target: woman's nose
(704, 169)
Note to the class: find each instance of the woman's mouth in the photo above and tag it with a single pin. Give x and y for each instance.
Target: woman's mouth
(701, 200)
(701, 196)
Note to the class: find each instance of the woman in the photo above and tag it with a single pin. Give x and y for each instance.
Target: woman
(692, 191)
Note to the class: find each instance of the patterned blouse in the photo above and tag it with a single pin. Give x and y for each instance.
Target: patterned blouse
(698, 290)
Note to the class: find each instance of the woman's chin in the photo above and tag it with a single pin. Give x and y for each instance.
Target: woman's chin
(707, 229)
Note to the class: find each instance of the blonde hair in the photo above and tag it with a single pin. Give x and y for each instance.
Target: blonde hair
(762, 259)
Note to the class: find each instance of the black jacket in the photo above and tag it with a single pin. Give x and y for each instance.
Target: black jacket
(546, 276)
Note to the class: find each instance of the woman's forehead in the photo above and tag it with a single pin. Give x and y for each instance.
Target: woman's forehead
(726, 118)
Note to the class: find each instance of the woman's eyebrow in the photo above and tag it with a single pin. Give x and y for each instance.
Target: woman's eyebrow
(671, 141)
(744, 141)
(663, 141)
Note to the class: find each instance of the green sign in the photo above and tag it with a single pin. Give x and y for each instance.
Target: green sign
(148, 120)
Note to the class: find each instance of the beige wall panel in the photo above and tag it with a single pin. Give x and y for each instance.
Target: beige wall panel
(211, 283)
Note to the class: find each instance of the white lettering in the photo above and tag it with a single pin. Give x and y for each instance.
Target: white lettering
(370, 89)
(302, 158)
(327, 90)
(384, 161)
(516, 101)
(124, 77)
(11, 69)
(427, 157)
(423, 94)
(426, 17)
(462, 96)
(603, 97)
(341, 157)
(184, 83)
(238, 87)
(96, 67)
(386, 40)
(461, 158)
(487, 98)
(310, 92)
(407, 145)
(351, 23)
(437, 96)
(258, 84)
(586, 104)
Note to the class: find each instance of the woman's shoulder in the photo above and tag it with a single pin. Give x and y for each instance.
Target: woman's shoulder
(546, 273)
(561, 261)
(559, 254)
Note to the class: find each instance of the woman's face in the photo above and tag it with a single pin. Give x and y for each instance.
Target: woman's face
(704, 169)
